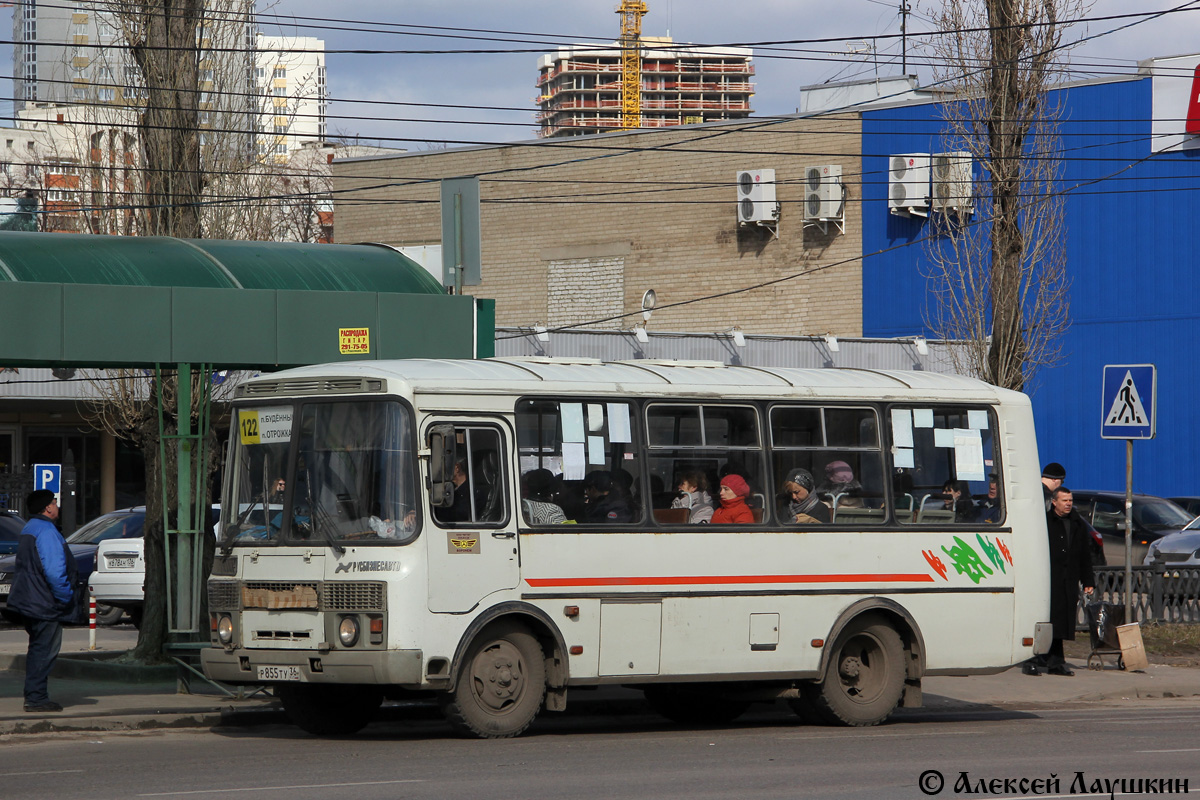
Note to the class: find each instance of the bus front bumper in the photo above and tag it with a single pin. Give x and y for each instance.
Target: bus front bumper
(379, 668)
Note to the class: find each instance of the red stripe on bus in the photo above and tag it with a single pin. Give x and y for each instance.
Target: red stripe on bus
(697, 580)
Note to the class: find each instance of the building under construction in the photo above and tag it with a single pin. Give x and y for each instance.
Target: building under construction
(580, 87)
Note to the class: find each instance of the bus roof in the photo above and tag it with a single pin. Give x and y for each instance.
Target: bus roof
(536, 375)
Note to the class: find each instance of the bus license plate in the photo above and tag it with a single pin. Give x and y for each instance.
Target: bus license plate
(279, 673)
(5, 588)
(121, 563)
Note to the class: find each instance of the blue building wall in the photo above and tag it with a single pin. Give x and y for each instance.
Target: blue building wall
(1132, 259)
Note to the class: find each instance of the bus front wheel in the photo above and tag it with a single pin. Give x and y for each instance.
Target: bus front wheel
(864, 678)
(329, 710)
(501, 684)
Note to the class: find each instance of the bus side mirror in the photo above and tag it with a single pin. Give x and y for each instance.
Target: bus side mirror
(442, 456)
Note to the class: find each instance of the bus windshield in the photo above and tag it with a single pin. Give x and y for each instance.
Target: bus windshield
(323, 472)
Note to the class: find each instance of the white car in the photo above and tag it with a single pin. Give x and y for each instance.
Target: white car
(119, 577)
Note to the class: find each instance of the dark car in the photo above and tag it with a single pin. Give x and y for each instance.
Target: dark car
(123, 524)
(1153, 518)
(10, 529)
(1189, 504)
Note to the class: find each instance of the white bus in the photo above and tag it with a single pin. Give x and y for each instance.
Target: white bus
(495, 532)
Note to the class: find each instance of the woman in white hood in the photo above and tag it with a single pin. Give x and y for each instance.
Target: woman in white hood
(694, 496)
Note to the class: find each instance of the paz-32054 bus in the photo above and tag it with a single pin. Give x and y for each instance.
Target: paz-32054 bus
(495, 532)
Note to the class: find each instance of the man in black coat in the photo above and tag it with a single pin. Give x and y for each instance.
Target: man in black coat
(1070, 565)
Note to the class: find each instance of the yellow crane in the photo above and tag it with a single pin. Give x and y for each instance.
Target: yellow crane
(631, 12)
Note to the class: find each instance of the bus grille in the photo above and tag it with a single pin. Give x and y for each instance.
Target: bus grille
(281, 594)
(224, 595)
(354, 595)
(348, 385)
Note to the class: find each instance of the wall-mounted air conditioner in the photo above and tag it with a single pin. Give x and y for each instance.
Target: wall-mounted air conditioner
(908, 184)
(823, 192)
(952, 183)
(756, 197)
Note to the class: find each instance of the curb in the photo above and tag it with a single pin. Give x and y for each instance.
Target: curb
(98, 667)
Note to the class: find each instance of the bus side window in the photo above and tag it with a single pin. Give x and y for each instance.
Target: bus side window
(934, 447)
(587, 448)
(478, 496)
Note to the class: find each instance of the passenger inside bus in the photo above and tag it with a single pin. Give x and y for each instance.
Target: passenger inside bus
(957, 498)
(840, 488)
(733, 510)
(694, 496)
(799, 501)
(537, 490)
(606, 502)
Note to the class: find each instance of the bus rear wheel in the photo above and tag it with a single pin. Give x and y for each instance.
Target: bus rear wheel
(694, 707)
(329, 710)
(501, 685)
(864, 678)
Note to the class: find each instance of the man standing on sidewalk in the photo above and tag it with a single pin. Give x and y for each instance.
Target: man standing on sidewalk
(1070, 564)
(43, 594)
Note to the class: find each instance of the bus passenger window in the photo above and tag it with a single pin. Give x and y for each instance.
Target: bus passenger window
(946, 461)
(577, 456)
(694, 449)
(837, 448)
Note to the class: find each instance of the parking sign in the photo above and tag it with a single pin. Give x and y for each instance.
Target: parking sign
(47, 476)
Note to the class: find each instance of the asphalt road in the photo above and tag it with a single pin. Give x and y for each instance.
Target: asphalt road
(766, 755)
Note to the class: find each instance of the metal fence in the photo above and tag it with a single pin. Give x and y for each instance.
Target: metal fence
(1160, 593)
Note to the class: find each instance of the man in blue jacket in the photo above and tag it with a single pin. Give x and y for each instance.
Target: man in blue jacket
(43, 594)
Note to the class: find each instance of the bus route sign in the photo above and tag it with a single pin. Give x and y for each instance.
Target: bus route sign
(1128, 401)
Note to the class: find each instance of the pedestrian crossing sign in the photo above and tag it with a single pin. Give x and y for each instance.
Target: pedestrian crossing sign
(1128, 401)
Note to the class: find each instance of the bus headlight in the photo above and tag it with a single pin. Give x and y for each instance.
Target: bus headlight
(225, 629)
(348, 631)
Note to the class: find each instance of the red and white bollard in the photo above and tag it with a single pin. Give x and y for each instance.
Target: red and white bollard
(91, 622)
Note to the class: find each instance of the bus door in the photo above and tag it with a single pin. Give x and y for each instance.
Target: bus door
(472, 539)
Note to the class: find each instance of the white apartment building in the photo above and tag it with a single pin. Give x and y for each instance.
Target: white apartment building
(290, 76)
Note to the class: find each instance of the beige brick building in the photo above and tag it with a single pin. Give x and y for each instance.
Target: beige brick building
(575, 231)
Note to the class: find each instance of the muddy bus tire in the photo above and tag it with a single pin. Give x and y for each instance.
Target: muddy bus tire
(501, 685)
(329, 710)
(864, 678)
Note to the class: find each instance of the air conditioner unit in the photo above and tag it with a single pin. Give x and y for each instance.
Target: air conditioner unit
(908, 184)
(756, 197)
(823, 193)
(952, 183)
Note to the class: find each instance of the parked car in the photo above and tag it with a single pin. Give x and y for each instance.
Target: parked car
(123, 524)
(120, 574)
(1096, 542)
(1153, 518)
(1180, 549)
(1189, 504)
(10, 529)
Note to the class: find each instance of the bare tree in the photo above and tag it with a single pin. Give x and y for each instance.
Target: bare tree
(123, 403)
(999, 275)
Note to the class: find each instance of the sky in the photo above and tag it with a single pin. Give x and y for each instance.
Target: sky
(483, 82)
(491, 96)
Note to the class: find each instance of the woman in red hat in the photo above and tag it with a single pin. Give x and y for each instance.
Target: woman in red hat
(734, 491)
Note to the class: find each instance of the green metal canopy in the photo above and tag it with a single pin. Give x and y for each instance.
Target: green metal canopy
(85, 300)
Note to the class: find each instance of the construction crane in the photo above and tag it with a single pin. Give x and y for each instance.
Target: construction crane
(631, 12)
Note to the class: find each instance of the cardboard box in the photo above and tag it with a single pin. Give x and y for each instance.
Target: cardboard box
(1133, 653)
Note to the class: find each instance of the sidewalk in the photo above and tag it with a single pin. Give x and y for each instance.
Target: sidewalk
(100, 696)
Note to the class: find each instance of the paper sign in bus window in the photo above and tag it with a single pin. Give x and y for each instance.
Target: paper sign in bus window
(265, 425)
(596, 450)
(618, 423)
(573, 467)
(902, 427)
(903, 457)
(572, 422)
(595, 413)
(923, 417)
(977, 420)
(968, 455)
